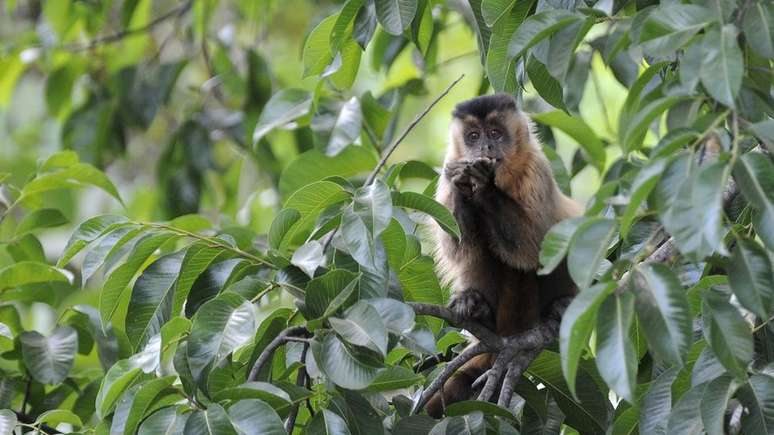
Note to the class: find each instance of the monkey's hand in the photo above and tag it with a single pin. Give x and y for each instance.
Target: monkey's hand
(471, 305)
(471, 176)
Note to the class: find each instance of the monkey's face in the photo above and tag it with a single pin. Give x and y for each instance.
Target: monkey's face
(485, 127)
(485, 138)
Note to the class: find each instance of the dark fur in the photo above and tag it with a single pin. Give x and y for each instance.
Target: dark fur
(500, 188)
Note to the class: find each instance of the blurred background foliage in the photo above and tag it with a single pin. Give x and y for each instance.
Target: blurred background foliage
(178, 161)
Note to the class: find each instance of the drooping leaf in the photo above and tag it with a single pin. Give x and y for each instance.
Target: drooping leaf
(255, 417)
(40, 218)
(727, 333)
(751, 277)
(211, 421)
(395, 15)
(346, 128)
(493, 10)
(616, 354)
(755, 175)
(577, 323)
(757, 396)
(343, 367)
(556, 242)
(588, 248)
(723, 66)
(308, 257)
(686, 414)
(151, 301)
(326, 422)
(8, 421)
(220, 326)
(714, 403)
(669, 27)
(75, 176)
(643, 184)
(49, 359)
(87, 232)
(662, 306)
(166, 420)
(431, 207)
(283, 107)
(282, 222)
(576, 128)
(758, 26)
(119, 378)
(538, 27)
(362, 326)
(657, 403)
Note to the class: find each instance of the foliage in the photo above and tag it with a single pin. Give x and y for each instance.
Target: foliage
(203, 311)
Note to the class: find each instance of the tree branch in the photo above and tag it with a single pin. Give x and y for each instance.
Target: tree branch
(286, 335)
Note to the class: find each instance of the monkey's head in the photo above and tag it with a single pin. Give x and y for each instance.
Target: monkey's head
(489, 126)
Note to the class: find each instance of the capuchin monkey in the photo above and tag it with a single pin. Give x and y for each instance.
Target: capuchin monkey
(498, 184)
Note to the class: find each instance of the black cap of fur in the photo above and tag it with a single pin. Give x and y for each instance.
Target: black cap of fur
(481, 106)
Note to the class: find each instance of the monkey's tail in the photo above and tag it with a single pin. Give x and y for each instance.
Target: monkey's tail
(460, 385)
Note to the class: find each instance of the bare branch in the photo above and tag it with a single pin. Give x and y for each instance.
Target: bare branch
(300, 381)
(451, 367)
(283, 337)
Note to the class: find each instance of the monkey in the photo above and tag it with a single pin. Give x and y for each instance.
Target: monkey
(498, 184)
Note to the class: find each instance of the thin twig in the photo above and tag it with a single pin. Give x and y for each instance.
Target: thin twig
(408, 129)
(181, 9)
(268, 352)
(391, 149)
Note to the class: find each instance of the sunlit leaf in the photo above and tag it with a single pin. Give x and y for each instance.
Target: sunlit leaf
(283, 107)
(395, 15)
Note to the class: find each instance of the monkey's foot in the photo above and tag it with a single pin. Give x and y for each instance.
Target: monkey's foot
(471, 305)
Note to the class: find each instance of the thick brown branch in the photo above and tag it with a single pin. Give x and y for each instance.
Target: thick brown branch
(283, 337)
(451, 367)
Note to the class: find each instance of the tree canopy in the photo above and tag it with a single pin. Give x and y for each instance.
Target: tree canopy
(213, 215)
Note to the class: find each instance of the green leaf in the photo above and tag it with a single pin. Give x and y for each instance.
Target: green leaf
(398, 317)
(696, 216)
(634, 131)
(310, 201)
(29, 272)
(40, 218)
(212, 421)
(493, 10)
(429, 206)
(109, 247)
(616, 354)
(323, 290)
(219, 327)
(166, 421)
(151, 301)
(283, 107)
(468, 406)
(395, 15)
(657, 403)
(87, 232)
(754, 174)
(49, 359)
(313, 165)
(56, 416)
(590, 412)
(308, 257)
(282, 222)
(343, 367)
(327, 423)
(115, 382)
(669, 27)
(714, 403)
(500, 68)
(75, 176)
(546, 86)
(116, 285)
(758, 26)
(576, 128)
(198, 258)
(362, 326)
(373, 204)
(272, 395)
(577, 323)
(643, 184)
(588, 248)
(419, 340)
(758, 397)
(751, 277)
(556, 242)
(394, 378)
(727, 333)
(346, 128)
(538, 27)
(686, 414)
(662, 306)
(255, 417)
(317, 54)
(135, 402)
(7, 421)
(723, 66)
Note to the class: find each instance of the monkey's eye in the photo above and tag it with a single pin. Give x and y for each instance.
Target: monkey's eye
(495, 133)
(473, 135)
